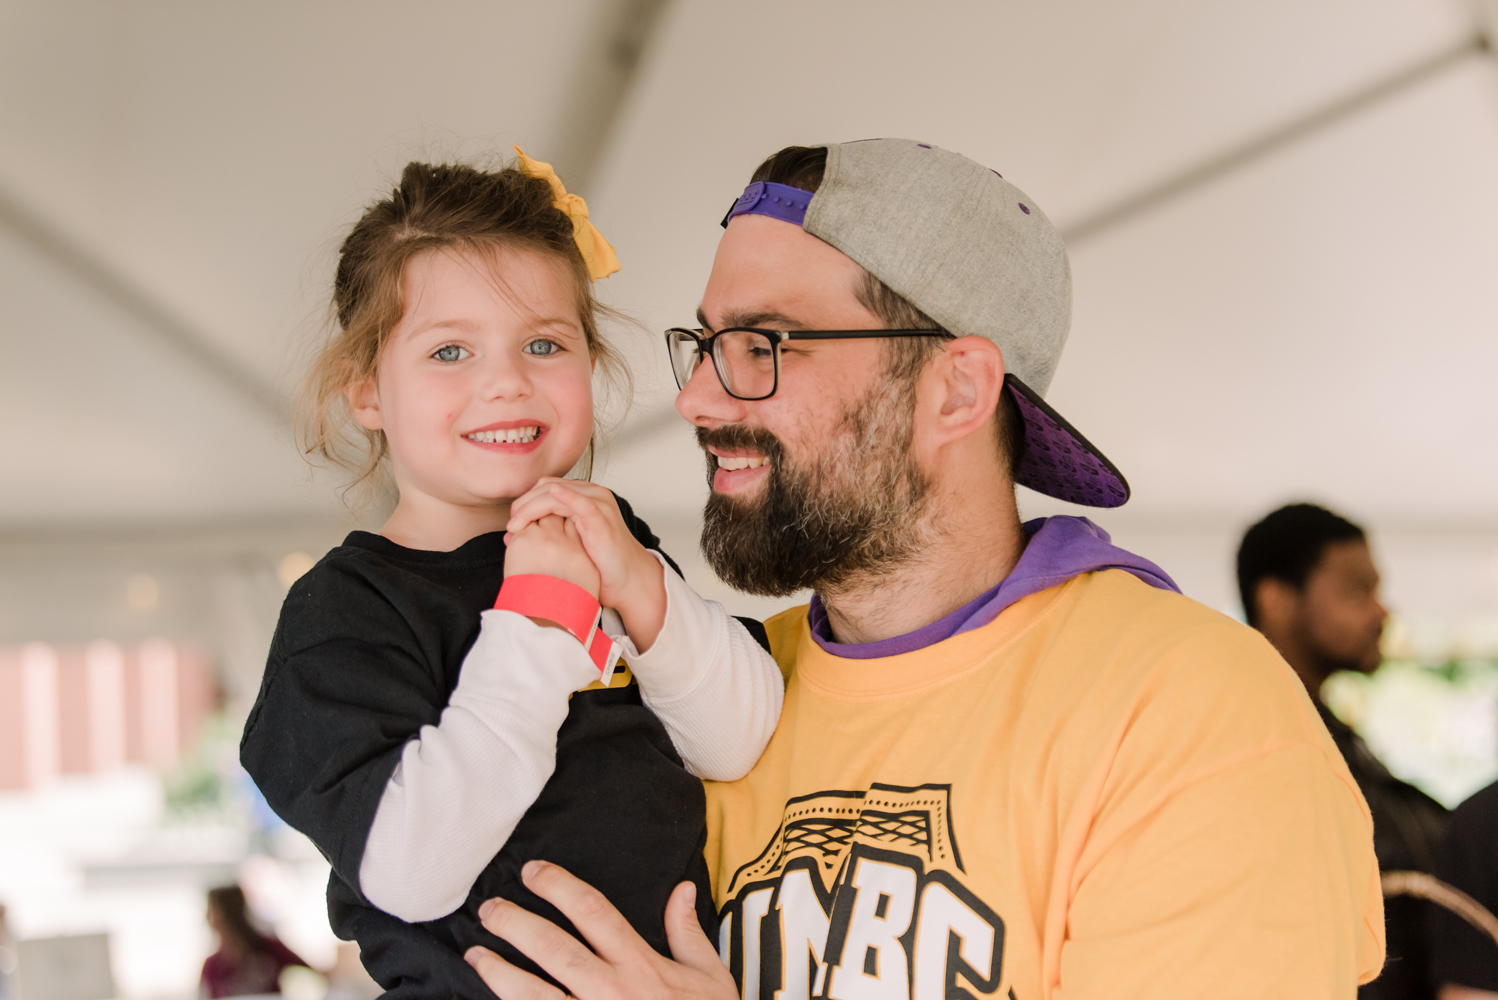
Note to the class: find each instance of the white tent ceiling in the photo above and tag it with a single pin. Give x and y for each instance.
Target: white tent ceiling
(1319, 320)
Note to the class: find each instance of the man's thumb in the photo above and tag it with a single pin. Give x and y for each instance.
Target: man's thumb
(689, 945)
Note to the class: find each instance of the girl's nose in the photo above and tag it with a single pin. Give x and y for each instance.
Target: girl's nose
(502, 376)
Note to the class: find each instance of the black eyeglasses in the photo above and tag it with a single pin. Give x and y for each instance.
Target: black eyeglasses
(747, 360)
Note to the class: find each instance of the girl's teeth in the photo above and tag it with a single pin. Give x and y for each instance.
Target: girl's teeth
(741, 462)
(514, 435)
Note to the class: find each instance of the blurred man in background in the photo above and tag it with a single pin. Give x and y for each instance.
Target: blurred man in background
(1309, 584)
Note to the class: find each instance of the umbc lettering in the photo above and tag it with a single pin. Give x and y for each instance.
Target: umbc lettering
(887, 930)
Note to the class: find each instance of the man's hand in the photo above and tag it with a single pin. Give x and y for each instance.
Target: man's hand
(620, 966)
(551, 546)
(631, 581)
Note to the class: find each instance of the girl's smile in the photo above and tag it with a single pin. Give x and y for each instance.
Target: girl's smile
(512, 437)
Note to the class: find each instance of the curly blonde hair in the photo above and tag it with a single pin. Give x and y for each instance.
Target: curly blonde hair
(447, 206)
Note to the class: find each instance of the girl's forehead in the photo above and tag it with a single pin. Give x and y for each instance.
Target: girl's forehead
(518, 285)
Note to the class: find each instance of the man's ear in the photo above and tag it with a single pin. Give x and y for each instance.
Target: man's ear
(364, 401)
(970, 382)
(1275, 603)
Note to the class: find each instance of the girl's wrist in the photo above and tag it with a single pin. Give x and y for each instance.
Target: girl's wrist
(642, 604)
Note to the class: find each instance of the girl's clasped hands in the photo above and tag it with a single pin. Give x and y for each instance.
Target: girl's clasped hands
(573, 530)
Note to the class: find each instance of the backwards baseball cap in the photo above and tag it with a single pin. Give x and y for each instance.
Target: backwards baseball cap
(974, 253)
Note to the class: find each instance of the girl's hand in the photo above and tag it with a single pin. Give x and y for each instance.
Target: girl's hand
(550, 545)
(631, 580)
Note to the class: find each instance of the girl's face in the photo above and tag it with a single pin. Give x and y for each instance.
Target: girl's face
(484, 385)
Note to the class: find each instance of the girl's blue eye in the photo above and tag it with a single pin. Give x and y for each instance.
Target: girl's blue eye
(449, 352)
(542, 348)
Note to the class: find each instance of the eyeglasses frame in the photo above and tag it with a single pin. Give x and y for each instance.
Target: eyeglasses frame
(776, 338)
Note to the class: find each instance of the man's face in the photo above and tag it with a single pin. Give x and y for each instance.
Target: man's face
(819, 482)
(1340, 617)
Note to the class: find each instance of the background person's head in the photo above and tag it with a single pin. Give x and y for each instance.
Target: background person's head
(228, 916)
(1308, 583)
(462, 292)
(869, 448)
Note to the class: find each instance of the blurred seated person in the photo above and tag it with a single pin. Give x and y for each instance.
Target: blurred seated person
(1464, 959)
(1308, 583)
(247, 962)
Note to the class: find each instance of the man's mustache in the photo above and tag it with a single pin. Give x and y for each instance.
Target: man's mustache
(731, 436)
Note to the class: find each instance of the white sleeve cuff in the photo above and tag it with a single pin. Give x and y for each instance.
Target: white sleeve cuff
(680, 656)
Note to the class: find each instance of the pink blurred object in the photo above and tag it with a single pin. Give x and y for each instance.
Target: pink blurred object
(87, 709)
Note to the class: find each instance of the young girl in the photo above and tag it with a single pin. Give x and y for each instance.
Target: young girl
(430, 756)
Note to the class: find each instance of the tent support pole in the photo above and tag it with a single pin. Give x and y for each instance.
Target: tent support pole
(617, 46)
(183, 339)
(1275, 139)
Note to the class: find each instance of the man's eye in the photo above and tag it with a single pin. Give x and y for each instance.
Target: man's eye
(450, 352)
(542, 348)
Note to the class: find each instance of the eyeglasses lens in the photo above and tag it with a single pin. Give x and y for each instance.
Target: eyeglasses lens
(746, 360)
(685, 356)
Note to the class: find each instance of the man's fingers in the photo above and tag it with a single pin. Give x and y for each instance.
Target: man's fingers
(595, 917)
(566, 958)
(507, 981)
(689, 945)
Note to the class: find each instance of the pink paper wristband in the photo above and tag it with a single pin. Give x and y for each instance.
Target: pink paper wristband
(603, 652)
(538, 596)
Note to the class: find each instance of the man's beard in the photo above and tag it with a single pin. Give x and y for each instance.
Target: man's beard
(853, 510)
(1362, 659)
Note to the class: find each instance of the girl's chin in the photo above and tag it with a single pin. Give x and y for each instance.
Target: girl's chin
(510, 489)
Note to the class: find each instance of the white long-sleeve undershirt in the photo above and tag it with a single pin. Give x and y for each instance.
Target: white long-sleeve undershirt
(462, 785)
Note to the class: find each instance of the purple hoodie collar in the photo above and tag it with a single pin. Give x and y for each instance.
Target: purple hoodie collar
(1059, 548)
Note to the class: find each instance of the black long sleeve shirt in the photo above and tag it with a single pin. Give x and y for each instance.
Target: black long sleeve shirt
(367, 651)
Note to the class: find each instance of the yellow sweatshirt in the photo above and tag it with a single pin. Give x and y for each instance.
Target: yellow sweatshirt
(1110, 791)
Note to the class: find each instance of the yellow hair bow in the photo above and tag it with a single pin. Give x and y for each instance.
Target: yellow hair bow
(597, 254)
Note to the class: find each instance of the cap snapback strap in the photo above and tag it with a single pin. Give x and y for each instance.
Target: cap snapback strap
(778, 201)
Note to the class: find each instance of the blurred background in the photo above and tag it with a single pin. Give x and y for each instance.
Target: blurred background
(1282, 219)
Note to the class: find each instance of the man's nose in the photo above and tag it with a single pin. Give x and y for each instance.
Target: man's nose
(704, 402)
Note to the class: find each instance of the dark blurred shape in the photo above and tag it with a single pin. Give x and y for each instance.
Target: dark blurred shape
(247, 962)
(1461, 955)
(1309, 584)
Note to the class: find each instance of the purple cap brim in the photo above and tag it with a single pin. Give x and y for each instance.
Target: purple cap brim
(1060, 462)
(778, 201)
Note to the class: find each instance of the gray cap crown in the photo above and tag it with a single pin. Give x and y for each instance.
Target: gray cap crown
(974, 253)
(951, 236)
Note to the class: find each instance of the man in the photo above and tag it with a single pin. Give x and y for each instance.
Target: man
(1013, 761)
(1308, 582)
